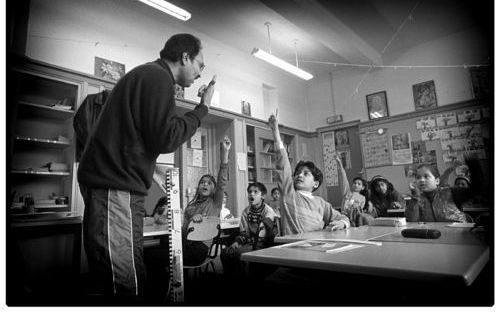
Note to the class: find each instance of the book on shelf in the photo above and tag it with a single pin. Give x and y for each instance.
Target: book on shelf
(267, 147)
(388, 221)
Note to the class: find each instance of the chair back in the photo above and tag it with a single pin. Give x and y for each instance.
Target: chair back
(207, 229)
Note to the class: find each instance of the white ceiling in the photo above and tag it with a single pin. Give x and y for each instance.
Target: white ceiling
(343, 31)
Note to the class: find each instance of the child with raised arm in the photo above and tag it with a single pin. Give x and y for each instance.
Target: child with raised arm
(206, 202)
(355, 203)
(301, 210)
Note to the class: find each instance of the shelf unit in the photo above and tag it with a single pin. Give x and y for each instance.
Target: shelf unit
(263, 156)
(41, 112)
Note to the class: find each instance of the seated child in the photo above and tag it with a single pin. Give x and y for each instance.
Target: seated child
(301, 211)
(384, 197)
(206, 202)
(257, 230)
(224, 212)
(354, 203)
(275, 203)
(432, 203)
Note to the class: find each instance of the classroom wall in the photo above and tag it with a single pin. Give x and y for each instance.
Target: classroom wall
(452, 84)
(403, 125)
(70, 33)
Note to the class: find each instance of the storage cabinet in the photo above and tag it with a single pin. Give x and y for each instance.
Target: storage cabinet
(195, 160)
(264, 158)
(42, 152)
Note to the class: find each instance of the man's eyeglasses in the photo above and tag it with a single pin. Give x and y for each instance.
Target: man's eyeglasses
(200, 65)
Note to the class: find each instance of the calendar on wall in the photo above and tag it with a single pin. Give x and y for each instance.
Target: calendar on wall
(376, 149)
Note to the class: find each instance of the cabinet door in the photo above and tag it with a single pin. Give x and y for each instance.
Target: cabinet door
(42, 154)
(195, 161)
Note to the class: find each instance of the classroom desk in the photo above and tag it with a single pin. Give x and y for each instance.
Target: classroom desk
(155, 230)
(448, 260)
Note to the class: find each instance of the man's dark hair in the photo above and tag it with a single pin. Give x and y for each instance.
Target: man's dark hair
(177, 44)
(260, 186)
(316, 172)
(274, 189)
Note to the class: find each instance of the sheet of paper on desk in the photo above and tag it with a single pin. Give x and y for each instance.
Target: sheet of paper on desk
(321, 246)
(461, 225)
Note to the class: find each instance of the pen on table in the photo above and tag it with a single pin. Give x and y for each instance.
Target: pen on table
(363, 242)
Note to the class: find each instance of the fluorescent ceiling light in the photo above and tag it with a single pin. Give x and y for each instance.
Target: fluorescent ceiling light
(281, 64)
(168, 8)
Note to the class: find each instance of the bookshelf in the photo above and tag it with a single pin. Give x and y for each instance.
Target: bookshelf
(264, 156)
(41, 109)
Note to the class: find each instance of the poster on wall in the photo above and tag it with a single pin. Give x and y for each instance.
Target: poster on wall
(330, 170)
(424, 95)
(420, 154)
(108, 69)
(375, 149)
(426, 122)
(341, 138)
(430, 134)
(401, 151)
(196, 140)
(446, 119)
(449, 133)
(469, 115)
(470, 131)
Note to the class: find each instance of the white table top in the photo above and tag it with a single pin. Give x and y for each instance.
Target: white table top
(458, 262)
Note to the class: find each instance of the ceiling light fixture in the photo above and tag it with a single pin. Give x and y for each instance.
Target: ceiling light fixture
(268, 57)
(168, 8)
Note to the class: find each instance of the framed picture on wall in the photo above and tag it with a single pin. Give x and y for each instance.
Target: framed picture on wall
(245, 108)
(108, 69)
(424, 95)
(377, 105)
(481, 82)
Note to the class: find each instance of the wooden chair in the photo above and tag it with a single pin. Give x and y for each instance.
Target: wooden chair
(207, 230)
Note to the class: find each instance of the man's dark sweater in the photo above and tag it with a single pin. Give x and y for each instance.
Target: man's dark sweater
(137, 123)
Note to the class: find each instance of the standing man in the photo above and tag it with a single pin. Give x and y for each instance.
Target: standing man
(137, 123)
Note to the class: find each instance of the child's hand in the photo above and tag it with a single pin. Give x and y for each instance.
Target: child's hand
(273, 122)
(235, 245)
(396, 205)
(226, 143)
(198, 218)
(337, 158)
(414, 190)
(336, 225)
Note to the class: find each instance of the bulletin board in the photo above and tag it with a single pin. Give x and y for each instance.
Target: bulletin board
(394, 147)
(344, 140)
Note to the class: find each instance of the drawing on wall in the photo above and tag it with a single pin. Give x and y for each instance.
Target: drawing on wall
(401, 152)
(420, 154)
(375, 149)
(449, 133)
(481, 82)
(377, 105)
(430, 134)
(331, 175)
(426, 122)
(108, 69)
(341, 138)
(424, 95)
(246, 108)
(469, 116)
(446, 119)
